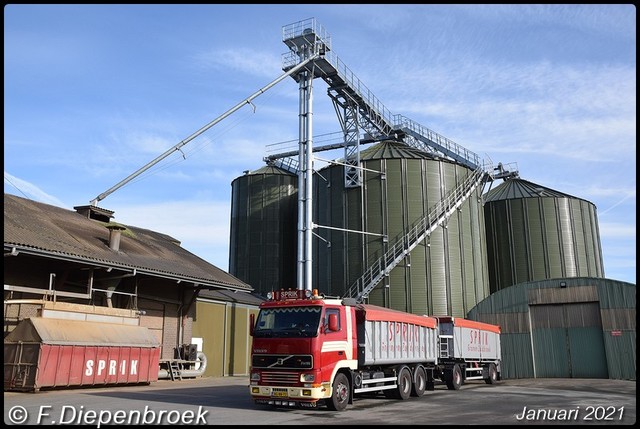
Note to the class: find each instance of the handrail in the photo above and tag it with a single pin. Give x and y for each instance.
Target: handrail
(417, 232)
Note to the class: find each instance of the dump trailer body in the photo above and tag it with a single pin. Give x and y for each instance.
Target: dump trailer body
(469, 340)
(387, 337)
(49, 353)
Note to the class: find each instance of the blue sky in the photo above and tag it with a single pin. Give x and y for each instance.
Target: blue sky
(94, 92)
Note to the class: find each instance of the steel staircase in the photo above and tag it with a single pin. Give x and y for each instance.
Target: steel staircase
(344, 84)
(414, 235)
(345, 88)
(360, 110)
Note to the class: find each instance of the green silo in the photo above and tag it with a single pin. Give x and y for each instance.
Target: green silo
(445, 274)
(536, 233)
(262, 249)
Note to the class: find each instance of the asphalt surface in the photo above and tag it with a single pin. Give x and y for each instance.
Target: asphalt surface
(226, 401)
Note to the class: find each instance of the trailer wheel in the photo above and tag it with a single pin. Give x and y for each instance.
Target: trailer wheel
(419, 382)
(404, 383)
(493, 375)
(455, 381)
(340, 395)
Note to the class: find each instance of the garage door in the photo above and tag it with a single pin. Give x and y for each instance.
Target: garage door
(567, 340)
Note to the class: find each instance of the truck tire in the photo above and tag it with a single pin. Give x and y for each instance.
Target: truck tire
(493, 374)
(405, 384)
(419, 381)
(340, 393)
(402, 390)
(455, 381)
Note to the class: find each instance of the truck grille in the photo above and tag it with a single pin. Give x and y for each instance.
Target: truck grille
(282, 361)
(284, 378)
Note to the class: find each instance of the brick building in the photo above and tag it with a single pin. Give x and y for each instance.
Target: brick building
(81, 264)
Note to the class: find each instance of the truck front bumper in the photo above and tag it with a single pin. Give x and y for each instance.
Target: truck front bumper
(290, 396)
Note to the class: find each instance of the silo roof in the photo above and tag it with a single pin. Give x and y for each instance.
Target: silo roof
(520, 188)
(270, 169)
(391, 149)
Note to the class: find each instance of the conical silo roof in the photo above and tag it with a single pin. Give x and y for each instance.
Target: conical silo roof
(391, 149)
(270, 169)
(519, 188)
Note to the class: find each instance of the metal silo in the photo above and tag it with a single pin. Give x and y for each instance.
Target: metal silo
(445, 274)
(262, 249)
(536, 233)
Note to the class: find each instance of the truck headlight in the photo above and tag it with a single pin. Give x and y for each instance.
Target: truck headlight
(307, 378)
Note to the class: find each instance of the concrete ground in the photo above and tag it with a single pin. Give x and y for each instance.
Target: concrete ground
(226, 401)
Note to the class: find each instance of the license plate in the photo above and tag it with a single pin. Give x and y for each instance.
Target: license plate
(279, 394)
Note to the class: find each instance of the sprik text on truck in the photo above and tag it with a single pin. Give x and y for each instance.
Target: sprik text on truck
(310, 350)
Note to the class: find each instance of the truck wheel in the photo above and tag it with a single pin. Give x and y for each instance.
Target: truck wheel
(455, 380)
(493, 375)
(340, 395)
(404, 383)
(403, 386)
(419, 382)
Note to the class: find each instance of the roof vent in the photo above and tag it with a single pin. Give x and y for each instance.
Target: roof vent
(115, 232)
(95, 213)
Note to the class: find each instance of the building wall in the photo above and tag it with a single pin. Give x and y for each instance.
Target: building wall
(224, 329)
(158, 300)
(570, 327)
(210, 325)
(162, 319)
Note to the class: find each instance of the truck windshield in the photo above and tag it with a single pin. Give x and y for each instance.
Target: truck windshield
(288, 322)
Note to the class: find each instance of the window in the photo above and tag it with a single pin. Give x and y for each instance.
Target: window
(328, 312)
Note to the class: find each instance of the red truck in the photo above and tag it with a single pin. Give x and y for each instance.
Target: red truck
(309, 349)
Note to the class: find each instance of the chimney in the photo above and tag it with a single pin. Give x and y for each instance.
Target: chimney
(115, 232)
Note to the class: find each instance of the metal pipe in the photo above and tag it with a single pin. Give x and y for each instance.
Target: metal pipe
(301, 178)
(141, 170)
(201, 362)
(39, 291)
(308, 259)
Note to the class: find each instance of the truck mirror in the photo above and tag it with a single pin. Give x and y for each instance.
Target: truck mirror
(333, 322)
(252, 323)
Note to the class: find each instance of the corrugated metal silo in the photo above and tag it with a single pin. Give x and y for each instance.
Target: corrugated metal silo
(536, 233)
(445, 274)
(262, 249)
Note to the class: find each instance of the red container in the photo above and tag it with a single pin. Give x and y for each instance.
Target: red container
(47, 353)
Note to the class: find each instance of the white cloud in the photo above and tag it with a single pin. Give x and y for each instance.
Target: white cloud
(242, 59)
(26, 189)
(617, 230)
(201, 226)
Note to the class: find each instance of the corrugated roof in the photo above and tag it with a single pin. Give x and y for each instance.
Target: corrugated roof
(230, 296)
(50, 231)
(519, 188)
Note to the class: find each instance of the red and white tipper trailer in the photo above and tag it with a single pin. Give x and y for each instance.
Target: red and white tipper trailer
(308, 350)
(469, 350)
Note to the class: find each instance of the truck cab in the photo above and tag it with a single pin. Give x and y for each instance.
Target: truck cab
(300, 342)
